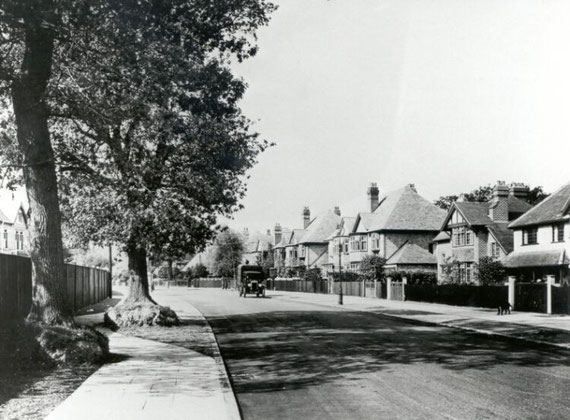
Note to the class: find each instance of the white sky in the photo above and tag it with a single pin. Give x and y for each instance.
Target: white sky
(445, 94)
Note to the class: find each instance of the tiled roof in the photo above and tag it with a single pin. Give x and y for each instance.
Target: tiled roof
(321, 228)
(345, 228)
(503, 235)
(258, 242)
(552, 209)
(516, 205)
(285, 238)
(296, 236)
(476, 214)
(442, 236)
(537, 258)
(405, 209)
(411, 254)
(363, 222)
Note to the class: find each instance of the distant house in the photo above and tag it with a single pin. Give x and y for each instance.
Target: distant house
(542, 240)
(14, 233)
(338, 245)
(306, 248)
(471, 231)
(258, 246)
(398, 218)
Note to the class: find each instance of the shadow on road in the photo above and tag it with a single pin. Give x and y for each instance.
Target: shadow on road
(273, 351)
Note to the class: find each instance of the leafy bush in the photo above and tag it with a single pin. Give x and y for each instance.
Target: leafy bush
(348, 276)
(312, 274)
(490, 271)
(199, 271)
(414, 277)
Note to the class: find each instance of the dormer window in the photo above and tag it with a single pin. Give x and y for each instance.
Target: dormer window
(558, 232)
(530, 236)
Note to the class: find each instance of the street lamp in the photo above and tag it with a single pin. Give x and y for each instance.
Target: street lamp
(339, 272)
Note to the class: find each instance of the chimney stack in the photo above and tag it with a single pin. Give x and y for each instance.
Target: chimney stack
(337, 211)
(278, 233)
(499, 206)
(306, 217)
(373, 194)
(412, 187)
(519, 190)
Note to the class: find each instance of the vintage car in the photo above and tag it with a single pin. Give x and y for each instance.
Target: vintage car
(250, 280)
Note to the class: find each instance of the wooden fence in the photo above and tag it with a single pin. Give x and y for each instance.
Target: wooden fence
(85, 286)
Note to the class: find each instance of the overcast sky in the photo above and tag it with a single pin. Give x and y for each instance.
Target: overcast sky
(445, 94)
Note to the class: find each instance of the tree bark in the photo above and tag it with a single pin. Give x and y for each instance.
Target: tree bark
(139, 290)
(49, 303)
(169, 274)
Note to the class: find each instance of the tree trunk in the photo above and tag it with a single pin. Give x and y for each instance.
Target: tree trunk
(49, 303)
(139, 290)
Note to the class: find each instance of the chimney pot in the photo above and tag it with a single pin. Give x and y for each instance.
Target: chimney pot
(337, 211)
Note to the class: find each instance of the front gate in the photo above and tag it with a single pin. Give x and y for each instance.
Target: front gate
(397, 290)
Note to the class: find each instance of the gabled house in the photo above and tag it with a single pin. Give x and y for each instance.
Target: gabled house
(258, 246)
(14, 233)
(399, 217)
(338, 245)
(314, 245)
(542, 240)
(471, 231)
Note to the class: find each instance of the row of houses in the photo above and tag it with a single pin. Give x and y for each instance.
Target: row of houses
(413, 234)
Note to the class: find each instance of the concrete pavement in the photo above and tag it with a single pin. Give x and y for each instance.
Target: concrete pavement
(153, 380)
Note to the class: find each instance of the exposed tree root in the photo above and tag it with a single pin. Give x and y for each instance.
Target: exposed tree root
(34, 343)
(138, 314)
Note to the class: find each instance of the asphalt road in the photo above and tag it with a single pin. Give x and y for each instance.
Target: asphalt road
(291, 359)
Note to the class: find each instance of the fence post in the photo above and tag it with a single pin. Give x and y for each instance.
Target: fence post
(549, 283)
(404, 282)
(511, 284)
(388, 288)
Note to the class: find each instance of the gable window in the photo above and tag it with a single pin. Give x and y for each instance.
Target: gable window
(462, 236)
(375, 241)
(530, 236)
(558, 232)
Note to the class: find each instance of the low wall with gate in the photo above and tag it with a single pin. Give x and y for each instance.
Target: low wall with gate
(85, 286)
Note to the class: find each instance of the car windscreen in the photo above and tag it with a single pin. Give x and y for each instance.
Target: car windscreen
(252, 275)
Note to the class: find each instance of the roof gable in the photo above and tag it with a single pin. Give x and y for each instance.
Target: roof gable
(321, 227)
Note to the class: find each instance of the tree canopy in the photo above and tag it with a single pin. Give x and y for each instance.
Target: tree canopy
(228, 252)
(484, 193)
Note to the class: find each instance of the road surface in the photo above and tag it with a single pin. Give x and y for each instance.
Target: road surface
(289, 358)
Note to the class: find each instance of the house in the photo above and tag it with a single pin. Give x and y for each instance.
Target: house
(542, 240)
(338, 245)
(314, 245)
(400, 217)
(472, 231)
(14, 232)
(306, 248)
(258, 246)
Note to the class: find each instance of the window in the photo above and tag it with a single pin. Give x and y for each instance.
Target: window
(558, 232)
(18, 240)
(495, 250)
(345, 245)
(355, 243)
(375, 241)
(363, 243)
(529, 236)
(5, 239)
(302, 251)
(466, 273)
(462, 236)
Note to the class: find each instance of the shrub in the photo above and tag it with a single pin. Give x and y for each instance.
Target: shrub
(348, 276)
(312, 274)
(490, 271)
(414, 277)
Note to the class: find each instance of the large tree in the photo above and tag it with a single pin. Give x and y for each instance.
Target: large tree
(485, 193)
(229, 248)
(149, 137)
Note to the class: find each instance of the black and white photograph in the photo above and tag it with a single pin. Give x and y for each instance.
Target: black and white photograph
(284, 209)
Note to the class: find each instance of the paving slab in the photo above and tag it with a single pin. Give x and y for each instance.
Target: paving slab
(152, 380)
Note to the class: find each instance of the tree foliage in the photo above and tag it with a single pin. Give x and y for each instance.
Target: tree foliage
(228, 252)
(372, 267)
(484, 193)
(490, 271)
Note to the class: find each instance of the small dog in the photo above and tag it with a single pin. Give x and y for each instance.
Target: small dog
(504, 308)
